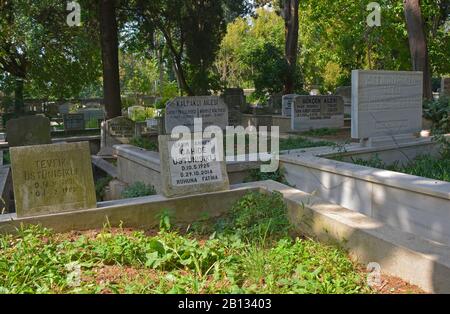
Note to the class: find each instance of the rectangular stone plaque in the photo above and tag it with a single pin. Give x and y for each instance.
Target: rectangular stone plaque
(185, 173)
(286, 104)
(315, 112)
(118, 130)
(73, 121)
(183, 110)
(386, 103)
(52, 178)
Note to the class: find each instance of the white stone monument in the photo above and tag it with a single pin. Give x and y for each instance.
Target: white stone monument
(386, 106)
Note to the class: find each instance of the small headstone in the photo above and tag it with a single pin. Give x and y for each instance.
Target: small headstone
(193, 169)
(275, 103)
(316, 112)
(386, 104)
(92, 113)
(346, 93)
(183, 111)
(52, 178)
(73, 122)
(237, 104)
(132, 110)
(445, 86)
(286, 106)
(28, 130)
(119, 130)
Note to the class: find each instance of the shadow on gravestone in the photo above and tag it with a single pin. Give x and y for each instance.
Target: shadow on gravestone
(28, 130)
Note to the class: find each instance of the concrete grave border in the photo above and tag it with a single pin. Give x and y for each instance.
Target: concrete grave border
(414, 259)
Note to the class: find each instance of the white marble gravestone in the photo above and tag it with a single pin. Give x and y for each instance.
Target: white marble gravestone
(386, 105)
(190, 167)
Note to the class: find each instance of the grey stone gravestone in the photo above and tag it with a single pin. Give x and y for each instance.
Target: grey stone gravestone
(316, 112)
(445, 86)
(286, 104)
(237, 104)
(192, 169)
(346, 93)
(183, 111)
(119, 130)
(52, 178)
(275, 103)
(28, 130)
(386, 105)
(73, 121)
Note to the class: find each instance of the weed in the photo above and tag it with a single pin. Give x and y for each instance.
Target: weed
(138, 189)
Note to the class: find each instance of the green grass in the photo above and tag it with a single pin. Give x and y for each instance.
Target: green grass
(249, 251)
(321, 132)
(144, 143)
(301, 142)
(422, 166)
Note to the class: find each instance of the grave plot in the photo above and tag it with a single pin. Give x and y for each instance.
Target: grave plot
(139, 258)
(394, 175)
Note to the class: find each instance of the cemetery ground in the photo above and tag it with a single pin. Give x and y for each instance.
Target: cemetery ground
(252, 249)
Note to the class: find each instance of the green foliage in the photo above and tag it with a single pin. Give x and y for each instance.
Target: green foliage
(92, 124)
(100, 185)
(422, 166)
(321, 132)
(144, 143)
(257, 217)
(257, 175)
(138, 189)
(438, 111)
(294, 142)
(36, 45)
(144, 114)
(36, 260)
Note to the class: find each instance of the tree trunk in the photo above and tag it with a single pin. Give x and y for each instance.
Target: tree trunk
(418, 44)
(110, 59)
(18, 97)
(290, 14)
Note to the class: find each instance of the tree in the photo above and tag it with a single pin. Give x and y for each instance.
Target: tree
(110, 58)
(290, 15)
(192, 31)
(41, 54)
(418, 43)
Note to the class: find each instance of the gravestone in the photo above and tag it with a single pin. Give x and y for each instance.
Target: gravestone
(346, 93)
(237, 104)
(386, 105)
(183, 111)
(445, 86)
(286, 104)
(28, 130)
(119, 130)
(275, 103)
(73, 121)
(185, 173)
(316, 112)
(52, 178)
(92, 113)
(133, 110)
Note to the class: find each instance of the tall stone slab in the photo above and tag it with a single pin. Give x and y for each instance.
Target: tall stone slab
(316, 112)
(52, 178)
(286, 104)
(445, 86)
(183, 111)
(386, 103)
(28, 130)
(190, 167)
(236, 103)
